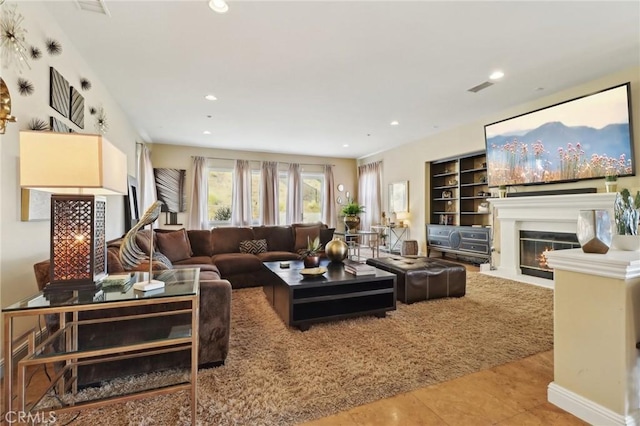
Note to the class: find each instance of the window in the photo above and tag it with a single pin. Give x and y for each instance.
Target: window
(220, 195)
(312, 197)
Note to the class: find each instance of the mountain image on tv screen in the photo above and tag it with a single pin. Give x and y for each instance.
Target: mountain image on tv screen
(588, 137)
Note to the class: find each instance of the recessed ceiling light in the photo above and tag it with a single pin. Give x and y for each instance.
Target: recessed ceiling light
(211, 98)
(206, 132)
(219, 6)
(539, 89)
(496, 75)
(394, 123)
(346, 145)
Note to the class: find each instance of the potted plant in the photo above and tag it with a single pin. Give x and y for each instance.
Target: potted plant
(611, 182)
(627, 217)
(351, 210)
(310, 255)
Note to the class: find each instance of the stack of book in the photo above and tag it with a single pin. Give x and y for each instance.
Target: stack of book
(357, 268)
(117, 280)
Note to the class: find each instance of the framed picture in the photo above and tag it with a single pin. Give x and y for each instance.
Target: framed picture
(35, 205)
(131, 211)
(399, 196)
(76, 108)
(59, 92)
(58, 126)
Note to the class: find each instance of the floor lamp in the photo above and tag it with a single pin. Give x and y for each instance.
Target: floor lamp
(80, 169)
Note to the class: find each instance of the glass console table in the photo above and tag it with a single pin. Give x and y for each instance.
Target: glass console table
(354, 240)
(393, 236)
(178, 301)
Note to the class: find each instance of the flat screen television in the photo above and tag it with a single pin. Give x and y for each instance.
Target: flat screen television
(583, 138)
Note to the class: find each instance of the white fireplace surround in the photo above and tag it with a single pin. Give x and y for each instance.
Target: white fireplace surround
(554, 213)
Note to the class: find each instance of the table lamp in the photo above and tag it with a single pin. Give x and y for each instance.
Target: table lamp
(79, 169)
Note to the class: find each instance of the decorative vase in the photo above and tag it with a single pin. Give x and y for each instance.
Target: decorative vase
(611, 185)
(626, 242)
(336, 250)
(594, 231)
(311, 261)
(352, 221)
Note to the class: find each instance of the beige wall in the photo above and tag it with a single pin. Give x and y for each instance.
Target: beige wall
(410, 161)
(24, 243)
(180, 157)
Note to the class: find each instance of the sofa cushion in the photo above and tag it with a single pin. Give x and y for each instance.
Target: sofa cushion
(279, 238)
(233, 263)
(200, 240)
(175, 245)
(277, 256)
(143, 240)
(227, 239)
(253, 246)
(326, 235)
(303, 234)
(199, 261)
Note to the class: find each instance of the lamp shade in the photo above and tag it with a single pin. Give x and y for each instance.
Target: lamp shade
(66, 163)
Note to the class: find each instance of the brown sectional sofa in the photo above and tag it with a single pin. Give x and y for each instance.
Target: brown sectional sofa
(219, 251)
(223, 265)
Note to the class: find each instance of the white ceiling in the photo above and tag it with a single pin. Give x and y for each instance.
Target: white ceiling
(307, 77)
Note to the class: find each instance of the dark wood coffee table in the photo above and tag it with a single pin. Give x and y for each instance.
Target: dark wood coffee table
(301, 301)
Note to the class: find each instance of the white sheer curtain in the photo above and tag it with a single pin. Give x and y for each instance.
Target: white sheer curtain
(369, 193)
(241, 203)
(294, 195)
(146, 181)
(329, 215)
(198, 213)
(269, 193)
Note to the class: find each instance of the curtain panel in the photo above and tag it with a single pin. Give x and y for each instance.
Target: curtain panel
(241, 202)
(294, 194)
(146, 181)
(370, 194)
(269, 211)
(198, 210)
(329, 214)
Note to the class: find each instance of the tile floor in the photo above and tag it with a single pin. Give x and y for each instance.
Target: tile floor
(509, 394)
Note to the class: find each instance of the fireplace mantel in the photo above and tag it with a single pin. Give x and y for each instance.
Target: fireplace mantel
(555, 213)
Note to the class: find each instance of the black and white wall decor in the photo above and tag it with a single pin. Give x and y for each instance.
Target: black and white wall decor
(59, 92)
(76, 111)
(57, 125)
(170, 189)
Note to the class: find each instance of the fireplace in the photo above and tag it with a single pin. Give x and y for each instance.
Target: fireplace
(544, 213)
(534, 246)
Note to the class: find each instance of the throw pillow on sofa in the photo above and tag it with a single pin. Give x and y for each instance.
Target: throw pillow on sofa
(305, 233)
(175, 245)
(253, 246)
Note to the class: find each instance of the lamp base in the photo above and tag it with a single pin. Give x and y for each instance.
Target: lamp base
(148, 285)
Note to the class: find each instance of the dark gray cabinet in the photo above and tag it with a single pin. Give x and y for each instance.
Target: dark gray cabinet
(461, 240)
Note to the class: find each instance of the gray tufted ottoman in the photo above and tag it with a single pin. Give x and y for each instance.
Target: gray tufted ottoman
(424, 278)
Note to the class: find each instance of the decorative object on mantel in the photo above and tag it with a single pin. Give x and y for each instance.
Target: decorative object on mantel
(502, 191)
(5, 107)
(627, 218)
(12, 39)
(594, 231)
(53, 47)
(25, 87)
(611, 183)
(35, 53)
(38, 125)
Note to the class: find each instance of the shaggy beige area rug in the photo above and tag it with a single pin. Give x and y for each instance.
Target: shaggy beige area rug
(276, 375)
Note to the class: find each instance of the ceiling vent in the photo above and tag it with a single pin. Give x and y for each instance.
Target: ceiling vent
(480, 87)
(96, 6)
